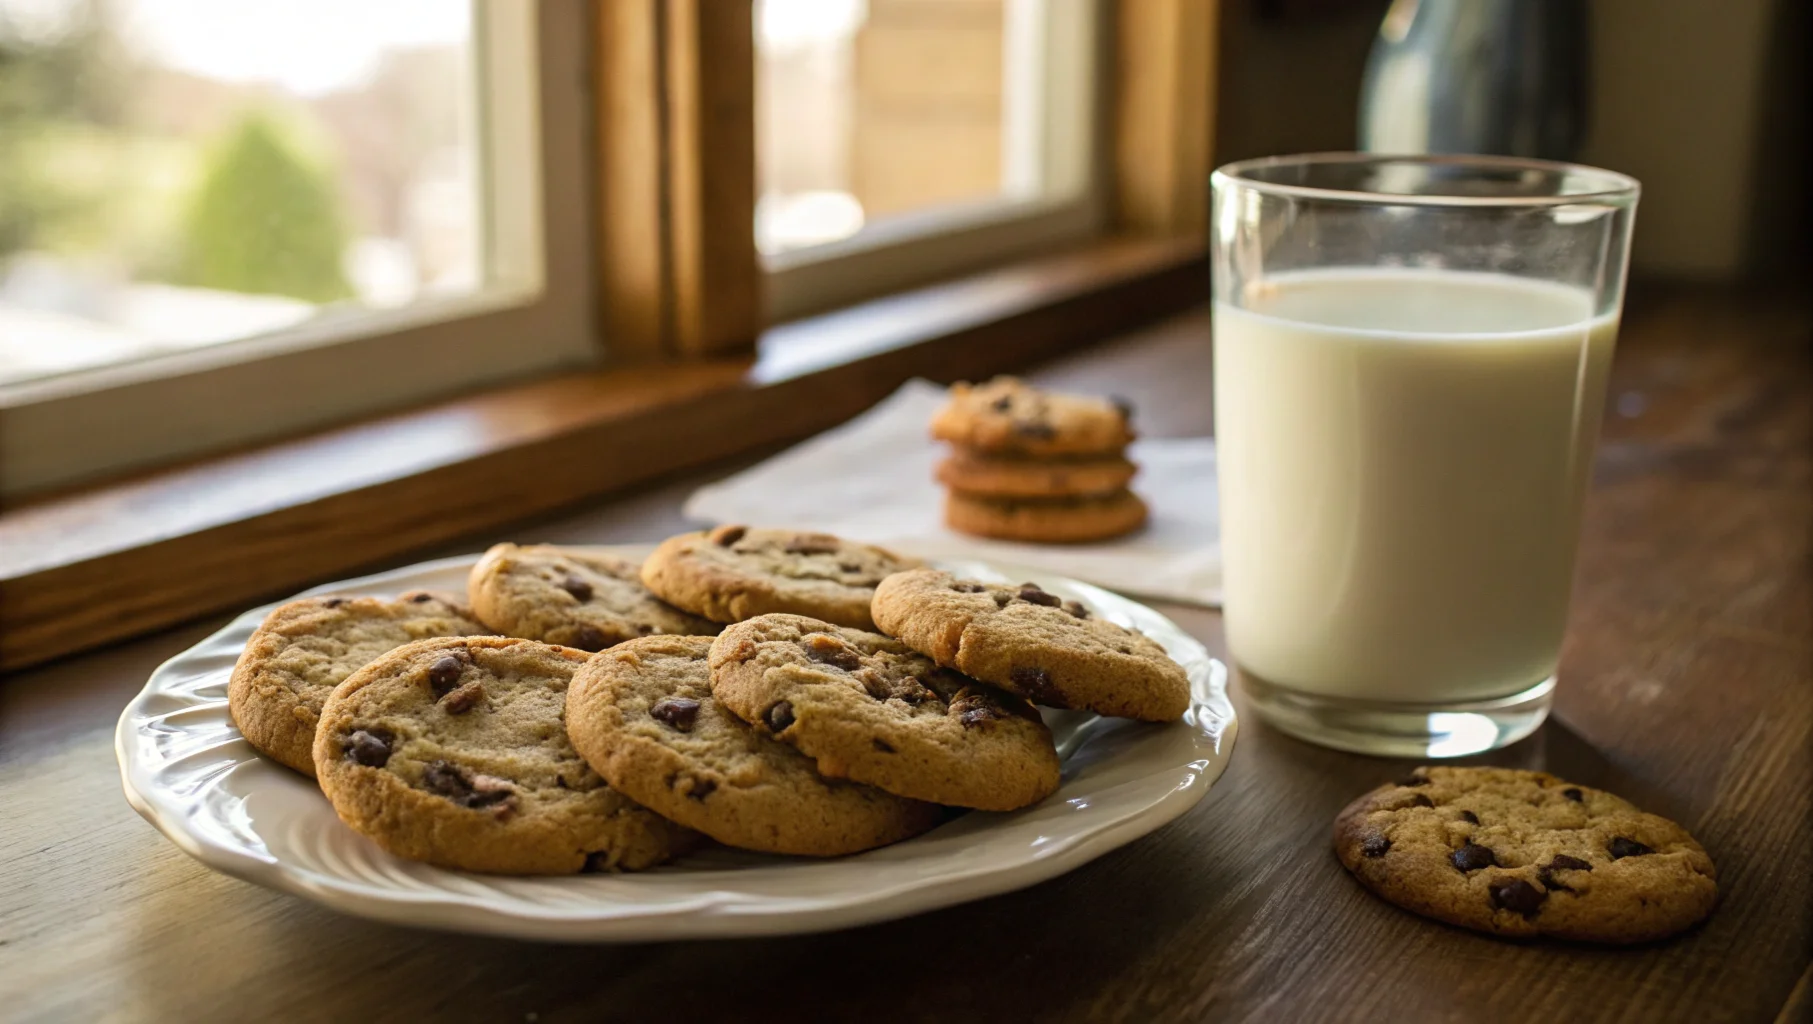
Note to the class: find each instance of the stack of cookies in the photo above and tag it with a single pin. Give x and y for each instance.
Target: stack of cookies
(1036, 466)
(772, 690)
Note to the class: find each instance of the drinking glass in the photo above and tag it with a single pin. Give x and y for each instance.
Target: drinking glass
(1410, 367)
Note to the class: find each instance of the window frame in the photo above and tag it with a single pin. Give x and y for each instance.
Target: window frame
(1059, 50)
(534, 313)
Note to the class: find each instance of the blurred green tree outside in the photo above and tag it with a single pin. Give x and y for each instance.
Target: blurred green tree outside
(265, 219)
(75, 76)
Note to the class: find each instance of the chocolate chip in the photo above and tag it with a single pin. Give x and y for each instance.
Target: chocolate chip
(1002, 404)
(1375, 846)
(1420, 800)
(1076, 608)
(1036, 429)
(1621, 848)
(813, 544)
(1001, 599)
(1469, 817)
(590, 638)
(679, 712)
(561, 781)
(1473, 857)
(1036, 683)
(779, 716)
(464, 699)
(580, 589)
(977, 716)
(1573, 794)
(1517, 896)
(849, 567)
(702, 788)
(1030, 593)
(495, 793)
(973, 709)
(830, 651)
(968, 587)
(472, 791)
(882, 745)
(370, 747)
(1122, 406)
(333, 602)
(911, 691)
(445, 673)
(1415, 778)
(725, 536)
(597, 862)
(443, 779)
(421, 598)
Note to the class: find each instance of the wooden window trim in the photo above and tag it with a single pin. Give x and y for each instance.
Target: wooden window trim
(1164, 115)
(679, 275)
(85, 568)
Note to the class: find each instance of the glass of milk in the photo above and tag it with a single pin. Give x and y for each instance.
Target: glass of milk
(1410, 366)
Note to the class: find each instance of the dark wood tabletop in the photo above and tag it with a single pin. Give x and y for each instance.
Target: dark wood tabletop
(1685, 687)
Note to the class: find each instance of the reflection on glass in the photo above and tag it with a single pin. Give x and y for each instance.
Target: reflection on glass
(176, 173)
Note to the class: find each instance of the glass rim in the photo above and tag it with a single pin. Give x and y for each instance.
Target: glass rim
(1620, 189)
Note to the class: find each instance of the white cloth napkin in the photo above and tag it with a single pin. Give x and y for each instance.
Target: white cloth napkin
(871, 479)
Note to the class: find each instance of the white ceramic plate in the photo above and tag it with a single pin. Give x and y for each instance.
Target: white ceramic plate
(190, 773)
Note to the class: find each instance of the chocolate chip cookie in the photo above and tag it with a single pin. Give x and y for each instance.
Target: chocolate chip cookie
(1007, 415)
(868, 708)
(643, 715)
(1038, 645)
(306, 648)
(1522, 854)
(571, 597)
(1004, 476)
(734, 573)
(1046, 520)
(454, 752)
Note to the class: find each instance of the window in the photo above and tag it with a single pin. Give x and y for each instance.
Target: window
(222, 221)
(226, 222)
(903, 140)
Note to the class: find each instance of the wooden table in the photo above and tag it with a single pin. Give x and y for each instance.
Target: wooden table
(1685, 687)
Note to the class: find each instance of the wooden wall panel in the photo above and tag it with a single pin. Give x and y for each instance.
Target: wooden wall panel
(710, 78)
(632, 258)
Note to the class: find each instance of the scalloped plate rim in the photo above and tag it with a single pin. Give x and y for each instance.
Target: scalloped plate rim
(711, 913)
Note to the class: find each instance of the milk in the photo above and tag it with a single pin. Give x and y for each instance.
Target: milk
(1403, 457)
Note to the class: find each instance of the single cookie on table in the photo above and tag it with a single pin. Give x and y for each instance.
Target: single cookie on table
(570, 597)
(1032, 643)
(1525, 854)
(305, 648)
(738, 572)
(1007, 415)
(1045, 520)
(643, 715)
(1003, 476)
(868, 708)
(454, 752)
